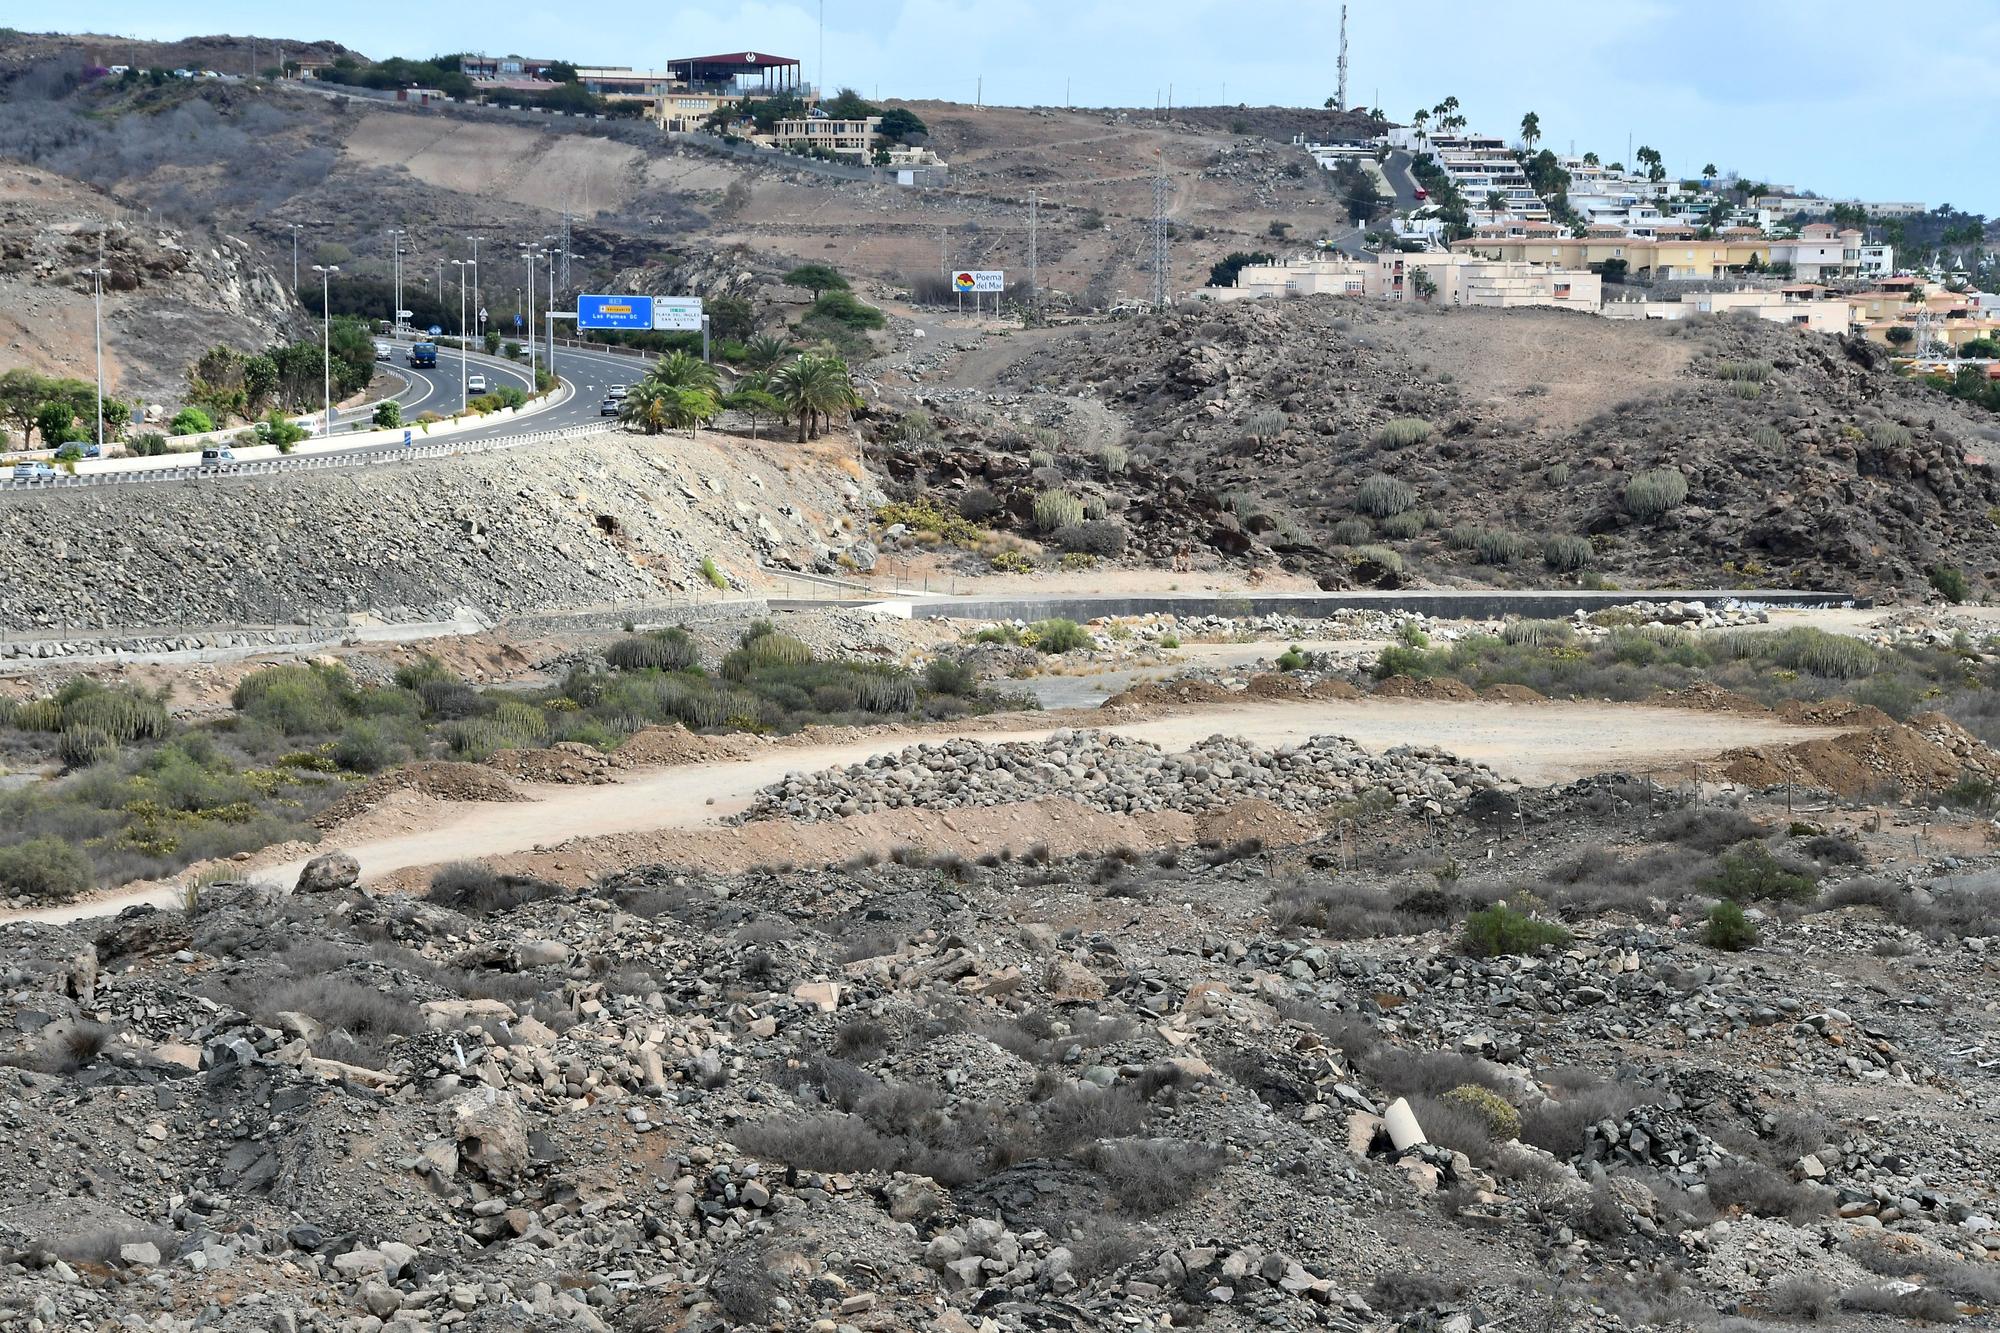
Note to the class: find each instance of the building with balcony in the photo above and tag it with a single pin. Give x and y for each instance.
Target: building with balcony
(841, 137)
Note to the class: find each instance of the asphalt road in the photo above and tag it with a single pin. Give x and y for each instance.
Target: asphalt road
(437, 389)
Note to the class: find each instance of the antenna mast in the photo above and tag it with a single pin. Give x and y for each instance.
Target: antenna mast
(1341, 103)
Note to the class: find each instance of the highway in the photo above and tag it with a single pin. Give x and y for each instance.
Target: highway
(590, 373)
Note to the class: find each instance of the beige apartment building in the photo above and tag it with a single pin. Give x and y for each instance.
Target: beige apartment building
(1458, 278)
(853, 138)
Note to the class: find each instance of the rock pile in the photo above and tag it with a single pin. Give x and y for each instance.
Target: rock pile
(1122, 776)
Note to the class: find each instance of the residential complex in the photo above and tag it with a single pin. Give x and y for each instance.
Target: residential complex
(1677, 252)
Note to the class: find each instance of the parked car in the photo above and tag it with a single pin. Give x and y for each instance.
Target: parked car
(383, 350)
(620, 390)
(217, 453)
(33, 472)
(475, 384)
(608, 408)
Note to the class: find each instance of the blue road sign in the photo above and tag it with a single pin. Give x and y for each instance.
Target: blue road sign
(436, 329)
(517, 323)
(614, 312)
(406, 439)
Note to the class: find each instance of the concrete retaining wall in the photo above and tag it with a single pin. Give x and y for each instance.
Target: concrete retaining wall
(1470, 604)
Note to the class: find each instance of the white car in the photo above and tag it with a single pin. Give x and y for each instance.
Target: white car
(475, 384)
(383, 351)
(620, 390)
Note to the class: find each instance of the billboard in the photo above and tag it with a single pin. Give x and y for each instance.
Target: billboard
(677, 314)
(979, 280)
(614, 312)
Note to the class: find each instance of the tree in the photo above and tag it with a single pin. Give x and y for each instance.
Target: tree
(1590, 159)
(22, 393)
(730, 317)
(764, 352)
(1276, 231)
(559, 71)
(816, 278)
(655, 407)
(1423, 284)
(1358, 193)
(814, 387)
(117, 416)
(1656, 170)
(1496, 202)
(1900, 334)
(850, 105)
(190, 421)
(756, 404)
(678, 370)
(1223, 272)
(901, 125)
(388, 414)
(260, 381)
(1531, 130)
(1709, 173)
(54, 419)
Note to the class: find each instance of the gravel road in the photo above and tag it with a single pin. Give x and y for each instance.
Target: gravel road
(1528, 743)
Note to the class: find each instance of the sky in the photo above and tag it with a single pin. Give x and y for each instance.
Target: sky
(1837, 96)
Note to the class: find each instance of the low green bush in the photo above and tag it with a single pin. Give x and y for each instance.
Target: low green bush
(1057, 509)
(1649, 495)
(1382, 496)
(660, 650)
(1752, 874)
(46, 868)
(1728, 928)
(1403, 432)
(1565, 553)
(1059, 636)
(1500, 929)
(1502, 1119)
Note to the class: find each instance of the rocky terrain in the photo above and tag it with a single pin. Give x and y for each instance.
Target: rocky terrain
(170, 292)
(1222, 1087)
(1121, 776)
(1364, 444)
(618, 519)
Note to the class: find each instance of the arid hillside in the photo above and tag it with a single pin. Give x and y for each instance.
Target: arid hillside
(1363, 444)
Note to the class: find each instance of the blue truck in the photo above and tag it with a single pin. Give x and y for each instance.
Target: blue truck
(423, 354)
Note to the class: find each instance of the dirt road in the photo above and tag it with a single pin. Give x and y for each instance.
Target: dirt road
(1529, 743)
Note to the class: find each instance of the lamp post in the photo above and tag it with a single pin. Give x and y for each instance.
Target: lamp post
(326, 272)
(464, 267)
(97, 276)
(295, 259)
(479, 324)
(396, 235)
(530, 255)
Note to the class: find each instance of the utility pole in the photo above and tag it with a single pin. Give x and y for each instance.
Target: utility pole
(326, 272)
(1034, 285)
(1341, 104)
(1161, 191)
(549, 311)
(295, 259)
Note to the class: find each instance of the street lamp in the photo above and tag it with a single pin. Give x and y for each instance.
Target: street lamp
(396, 235)
(531, 254)
(295, 259)
(481, 323)
(97, 277)
(326, 272)
(464, 267)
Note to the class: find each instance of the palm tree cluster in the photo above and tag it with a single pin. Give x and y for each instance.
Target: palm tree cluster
(678, 393)
(814, 387)
(682, 392)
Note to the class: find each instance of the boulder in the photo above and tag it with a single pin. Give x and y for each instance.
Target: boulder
(329, 872)
(491, 1133)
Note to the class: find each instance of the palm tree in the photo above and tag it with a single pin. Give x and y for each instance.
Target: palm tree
(1590, 159)
(812, 386)
(1531, 130)
(764, 352)
(645, 406)
(678, 370)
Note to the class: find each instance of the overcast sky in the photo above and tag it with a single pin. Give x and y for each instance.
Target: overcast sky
(1838, 96)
